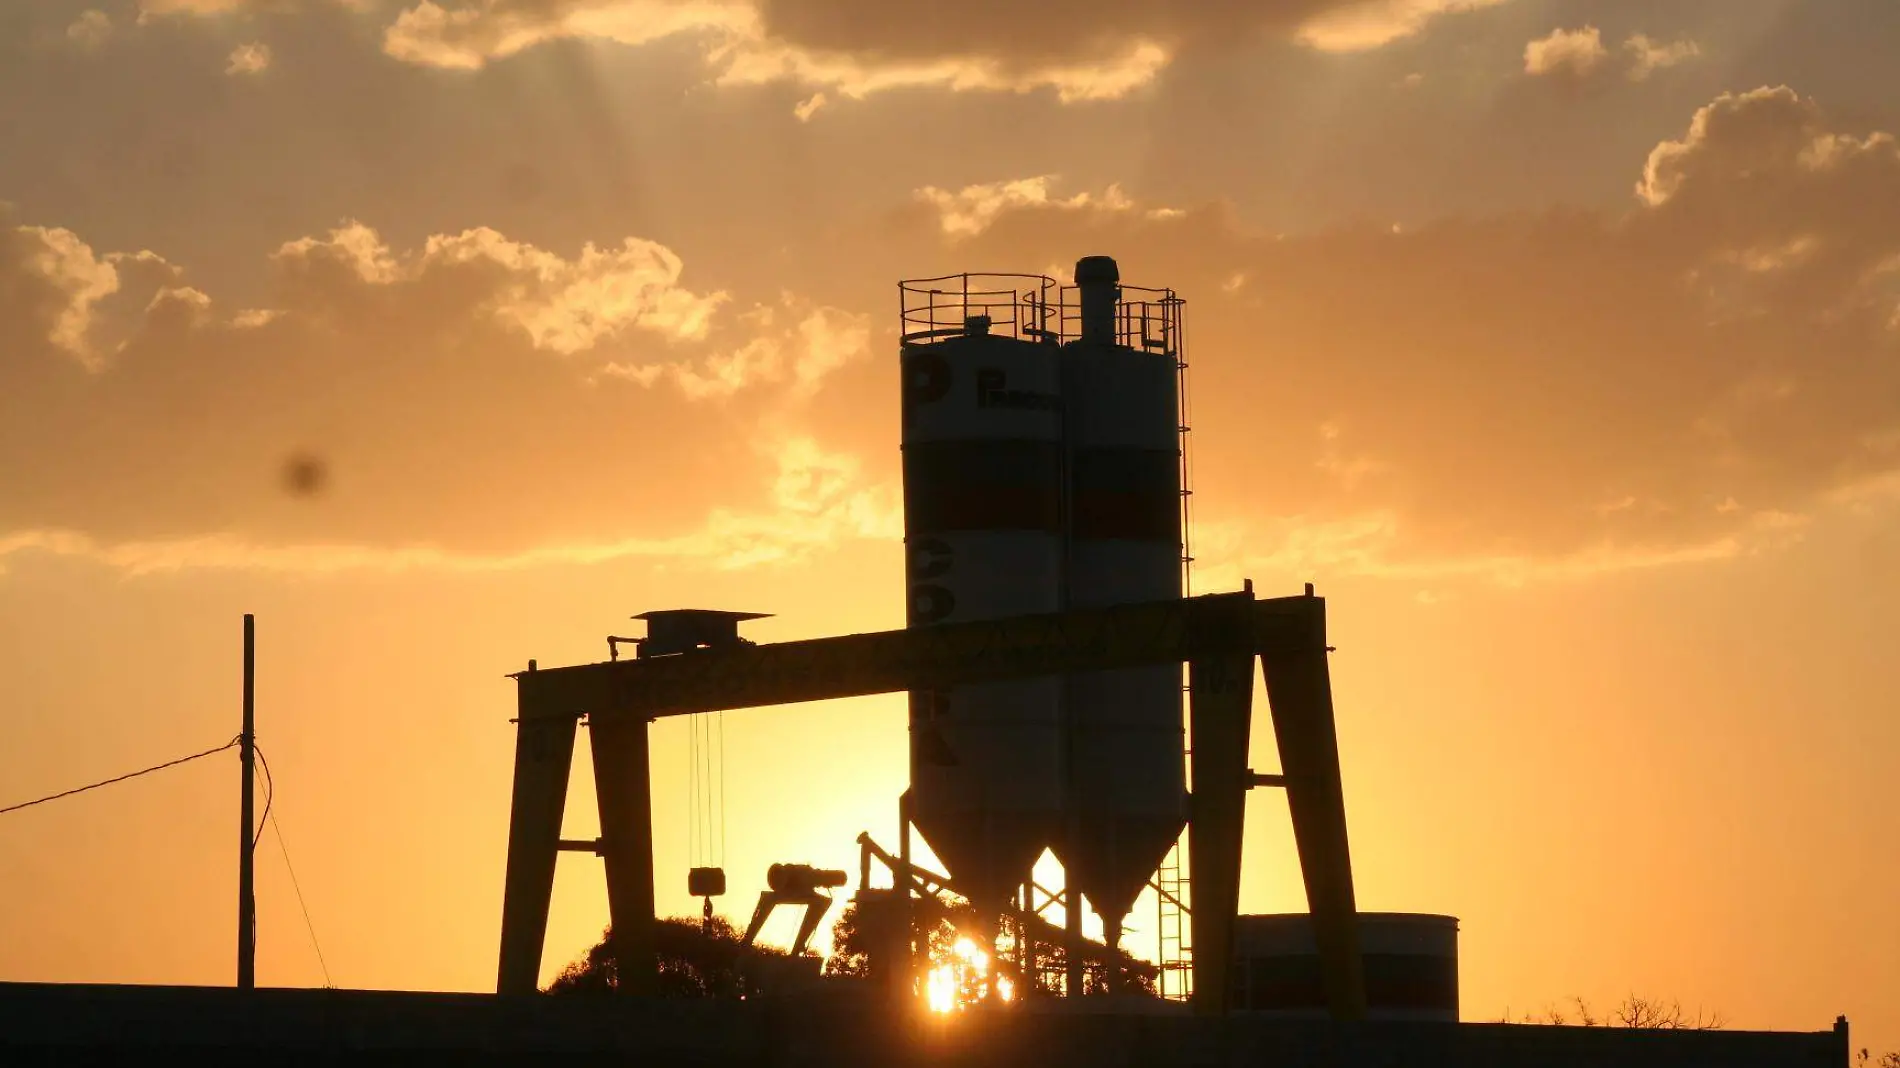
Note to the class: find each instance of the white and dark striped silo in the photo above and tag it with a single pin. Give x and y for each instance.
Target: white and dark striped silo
(982, 461)
(1121, 403)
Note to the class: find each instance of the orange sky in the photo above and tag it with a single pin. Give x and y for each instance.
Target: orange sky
(1556, 341)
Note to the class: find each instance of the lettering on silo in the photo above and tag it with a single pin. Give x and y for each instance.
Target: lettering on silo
(992, 391)
(926, 380)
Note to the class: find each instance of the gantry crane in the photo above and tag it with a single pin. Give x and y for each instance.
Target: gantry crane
(708, 667)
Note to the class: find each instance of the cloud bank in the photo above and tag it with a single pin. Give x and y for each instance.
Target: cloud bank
(475, 398)
(1689, 379)
(1080, 50)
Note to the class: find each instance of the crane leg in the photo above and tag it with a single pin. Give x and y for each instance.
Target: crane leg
(1220, 707)
(544, 754)
(624, 792)
(1299, 689)
(760, 913)
(814, 911)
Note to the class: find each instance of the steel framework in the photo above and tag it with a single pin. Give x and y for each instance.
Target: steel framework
(1219, 636)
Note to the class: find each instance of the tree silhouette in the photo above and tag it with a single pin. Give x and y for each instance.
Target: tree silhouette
(860, 935)
(694, 961)
(1656, 1015)
(867, 931)
(1637, 1012)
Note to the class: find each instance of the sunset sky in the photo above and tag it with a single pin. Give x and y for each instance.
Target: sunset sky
(1556, 341)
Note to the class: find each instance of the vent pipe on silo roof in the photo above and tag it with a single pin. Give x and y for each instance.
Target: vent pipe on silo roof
(1099, 281)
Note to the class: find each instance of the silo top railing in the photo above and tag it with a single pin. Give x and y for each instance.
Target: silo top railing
(1145, 319)
(1033, 307)
(1024, 306)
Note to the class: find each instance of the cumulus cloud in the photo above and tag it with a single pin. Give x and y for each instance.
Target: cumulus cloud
(175, 309)
(808, 107)
(250, 58)
(563, 305)
(1107, 78)
(1648, 56)
(152, 8)
(1763, 161)
(57, 281)
(420, 380)
(971, 210)
(1578, 56)
(1353, 27)
(1688, 379)
(56, 290)
(467, 35)
(90, 30)
(1566, 53)
(1795, 214)
(1081, 50)
(1059, 30)
(794, 343)
(1561, 393)
(819, 499)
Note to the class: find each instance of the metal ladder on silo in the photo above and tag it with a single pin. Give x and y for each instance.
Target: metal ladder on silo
(1175, 977)
(1175, 953)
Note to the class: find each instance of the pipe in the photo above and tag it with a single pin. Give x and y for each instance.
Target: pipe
(1099, 281)
(1112, 937)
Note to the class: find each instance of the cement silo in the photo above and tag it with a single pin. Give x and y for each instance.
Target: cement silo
(1121, 403)
(982, 460)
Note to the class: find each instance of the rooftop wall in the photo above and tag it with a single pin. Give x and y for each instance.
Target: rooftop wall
(43, 1023)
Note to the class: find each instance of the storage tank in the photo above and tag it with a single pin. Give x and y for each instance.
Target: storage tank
(982, 459)
(1411, 966)
(1122, 409)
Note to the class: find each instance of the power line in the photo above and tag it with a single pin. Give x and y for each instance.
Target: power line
(257, 834)
(270, 794)
(285, 850)
(118, 778)
(308, 926)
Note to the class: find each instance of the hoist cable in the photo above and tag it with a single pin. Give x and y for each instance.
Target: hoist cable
(692, 792)
(722, 785)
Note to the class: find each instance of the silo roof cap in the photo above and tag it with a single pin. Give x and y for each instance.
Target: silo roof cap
(1096, 269)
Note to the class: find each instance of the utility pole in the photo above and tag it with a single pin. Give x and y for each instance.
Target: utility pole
(247, 900)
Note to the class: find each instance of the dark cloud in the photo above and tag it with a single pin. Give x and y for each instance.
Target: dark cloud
(862, 44)
(1051, 31)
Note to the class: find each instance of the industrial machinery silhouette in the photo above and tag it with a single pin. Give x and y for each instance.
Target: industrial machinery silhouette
(795, 884)
(1045, 543)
